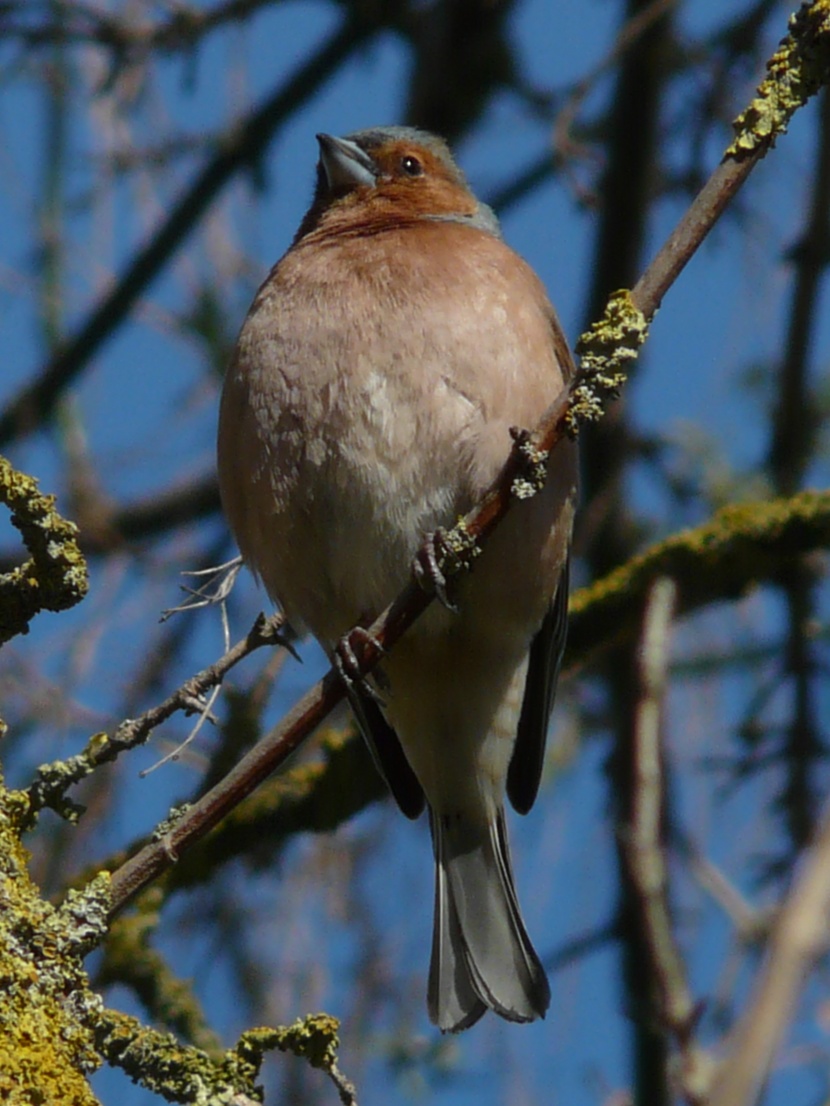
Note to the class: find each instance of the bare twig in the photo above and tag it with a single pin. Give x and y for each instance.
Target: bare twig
(218, 584)
(345, 1088)
(52, 781)
(265, 631)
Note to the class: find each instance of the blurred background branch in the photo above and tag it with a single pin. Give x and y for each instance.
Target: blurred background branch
(156, 158)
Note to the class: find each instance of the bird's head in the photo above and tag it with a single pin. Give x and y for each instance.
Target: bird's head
(384, 175)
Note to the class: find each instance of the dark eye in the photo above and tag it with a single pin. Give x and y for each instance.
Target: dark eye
(411, 166)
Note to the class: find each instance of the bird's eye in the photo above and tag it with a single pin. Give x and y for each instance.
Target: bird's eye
(411, 166)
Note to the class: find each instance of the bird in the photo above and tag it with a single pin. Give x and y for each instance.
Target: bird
(376, 381)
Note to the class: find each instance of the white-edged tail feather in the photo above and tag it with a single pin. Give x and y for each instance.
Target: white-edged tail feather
(482, 956)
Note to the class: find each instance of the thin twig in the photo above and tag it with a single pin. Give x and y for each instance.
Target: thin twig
(215, 590)
(52, 781)
(345, 1088)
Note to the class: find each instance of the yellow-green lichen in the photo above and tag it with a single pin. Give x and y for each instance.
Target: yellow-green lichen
(605, 350)
(458, 548)
(189, 1075)
(184, 1074)
(55, 1031)
(314, 1038)
(795, 72)
(51, 781)
(534, 473)
(55, 576)
(740, 545)
(168, 824)
(129, 958)
(48, 1010)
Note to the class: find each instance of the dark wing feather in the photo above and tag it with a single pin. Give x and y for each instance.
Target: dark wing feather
(546, 650)
(387, 753)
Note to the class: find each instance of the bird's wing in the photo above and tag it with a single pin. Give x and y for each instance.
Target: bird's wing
(546, 650)
(387, 753)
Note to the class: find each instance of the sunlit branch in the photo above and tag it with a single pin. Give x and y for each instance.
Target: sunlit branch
(620, 334)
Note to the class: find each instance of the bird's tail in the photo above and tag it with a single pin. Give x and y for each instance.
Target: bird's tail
(481, 954)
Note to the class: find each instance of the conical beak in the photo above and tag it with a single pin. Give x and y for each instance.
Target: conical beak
(344, 163)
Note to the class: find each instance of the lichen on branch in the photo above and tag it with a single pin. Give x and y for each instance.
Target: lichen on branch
(47, 1046)
(795, 72)
(55, 576)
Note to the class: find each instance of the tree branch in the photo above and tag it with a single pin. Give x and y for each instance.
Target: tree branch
(243, 145)
(55, 577)
(799, 937)
(126, 37)
(645, 844)
(618, 336)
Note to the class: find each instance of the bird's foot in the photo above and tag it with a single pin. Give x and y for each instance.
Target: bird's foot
(349, 654)
(427, 569)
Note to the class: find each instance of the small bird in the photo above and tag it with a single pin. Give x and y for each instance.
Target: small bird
(370, 402)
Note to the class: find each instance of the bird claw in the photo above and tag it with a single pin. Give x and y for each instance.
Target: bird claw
(427, 567)
(348, 654)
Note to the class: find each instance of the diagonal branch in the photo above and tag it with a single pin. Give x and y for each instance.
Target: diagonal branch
(51, 781)
(797, 71)
(34, 403)
(736, 549)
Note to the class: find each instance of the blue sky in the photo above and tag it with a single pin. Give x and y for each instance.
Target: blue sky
(149, 416)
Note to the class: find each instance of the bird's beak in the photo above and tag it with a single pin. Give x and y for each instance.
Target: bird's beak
(344, 163)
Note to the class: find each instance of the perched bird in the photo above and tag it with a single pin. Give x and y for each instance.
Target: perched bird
(370, 401)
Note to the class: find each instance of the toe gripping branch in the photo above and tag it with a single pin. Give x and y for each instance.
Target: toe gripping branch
(442, 556)
(352, 650)
(428, 566)
(445, 553)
